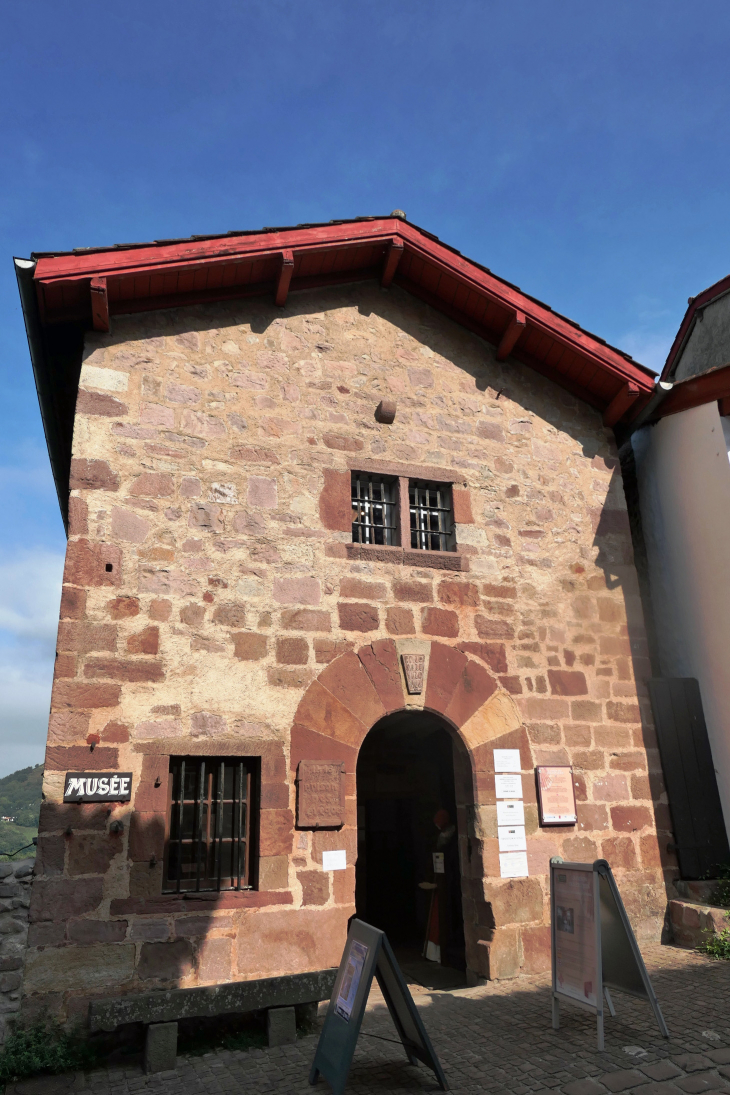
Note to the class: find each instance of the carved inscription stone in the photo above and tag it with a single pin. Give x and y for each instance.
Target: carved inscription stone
(320, 794)
(413, 668)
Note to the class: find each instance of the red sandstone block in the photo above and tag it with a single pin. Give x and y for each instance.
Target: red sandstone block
(78, 523)
(613, 788)
(91, 853)
(492, 431)
(96, 931)
(305, 619)
(165, 961)
(61, 758)
(473, 688)
(230, 615)
(446, 666)
(586, 711)
(51, 855)
(248, 646)
(592, 761)
(380, 660)
(358, 617)
(462, 594)
(122, 608)
(65, 666)
(614, 645)
(96, 403)
(357, 589)
(144, 642)
(513, 685)
(281, 677)
(62, 898)
(160, 610)
(563, 682)
(440, 621)
(623, 712)
(493, 629)
(579, 735)
(92, 564)
(115, 732)
(419, 592)
(628, 819)
(591, 817)
(399, 621)
(342, 444)
(276, 832)
(619, 851)
(348, 682)
(82, 695)
(537, 709)
(55, 817)
(292, 591)
(147, 831)
(536, 949)
(505, 592)
(73, 603)
(82, 637)
(492, 653)
(651, 853)
(324, 713)
(580, 849)
(461, 503)
(628, 762)
(335, 507)
(292, 651)
(92, 475)
(326, 650)
(315, 887)
(119, 669)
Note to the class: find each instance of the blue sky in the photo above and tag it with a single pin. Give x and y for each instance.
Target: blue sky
(579, 150)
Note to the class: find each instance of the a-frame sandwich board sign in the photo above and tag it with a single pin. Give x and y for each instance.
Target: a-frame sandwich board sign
(368, 954)
(593, 944)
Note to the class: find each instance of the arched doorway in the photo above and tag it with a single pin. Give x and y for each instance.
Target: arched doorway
(406, 812)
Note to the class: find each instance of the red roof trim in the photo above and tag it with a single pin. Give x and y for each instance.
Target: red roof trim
(176, 273)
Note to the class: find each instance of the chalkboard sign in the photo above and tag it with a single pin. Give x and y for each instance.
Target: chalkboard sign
(368, 954)
(593, 945)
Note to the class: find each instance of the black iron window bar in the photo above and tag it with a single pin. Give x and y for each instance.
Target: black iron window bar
(431, 522)
(210, 825)
(374, 510)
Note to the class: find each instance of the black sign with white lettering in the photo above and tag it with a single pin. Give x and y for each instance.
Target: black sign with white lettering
(97, 787)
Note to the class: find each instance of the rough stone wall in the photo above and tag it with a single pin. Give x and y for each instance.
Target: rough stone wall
(15, 881)
(209, 578)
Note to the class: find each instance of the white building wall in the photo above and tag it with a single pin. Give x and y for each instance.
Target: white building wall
(684, 490)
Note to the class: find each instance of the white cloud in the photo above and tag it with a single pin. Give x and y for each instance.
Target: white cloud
(30, 591)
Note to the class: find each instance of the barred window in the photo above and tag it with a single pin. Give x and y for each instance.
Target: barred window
(374, 509)
(211, 822)
(432, 527)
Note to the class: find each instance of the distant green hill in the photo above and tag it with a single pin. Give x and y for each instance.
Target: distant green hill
(20, 799)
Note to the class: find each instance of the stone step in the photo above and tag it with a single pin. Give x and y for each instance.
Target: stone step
(689, 922)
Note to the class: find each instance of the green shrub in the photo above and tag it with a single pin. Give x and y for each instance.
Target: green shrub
(717, 944)
(721, 894)
(42, 1047)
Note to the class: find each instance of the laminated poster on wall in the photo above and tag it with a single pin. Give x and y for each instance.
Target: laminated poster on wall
(507, 760)
(507, 785)
(513, 865)
(510, 813)
(512, 838)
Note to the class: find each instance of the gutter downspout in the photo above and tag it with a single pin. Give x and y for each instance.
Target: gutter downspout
(24, 269)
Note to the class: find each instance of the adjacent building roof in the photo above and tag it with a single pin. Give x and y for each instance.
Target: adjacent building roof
(65, 293)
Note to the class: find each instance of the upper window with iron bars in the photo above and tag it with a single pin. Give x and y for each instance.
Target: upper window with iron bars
(411, 513)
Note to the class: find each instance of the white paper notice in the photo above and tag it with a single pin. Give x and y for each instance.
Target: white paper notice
(438, 863)
(512, 838)
(510, 813)
(513, 864)
(507, 785)
(334, 861)
(507, 760)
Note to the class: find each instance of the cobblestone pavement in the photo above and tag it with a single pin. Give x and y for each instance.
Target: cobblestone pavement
(495, 1038)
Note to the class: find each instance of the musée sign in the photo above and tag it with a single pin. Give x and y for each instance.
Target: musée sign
(97, 787)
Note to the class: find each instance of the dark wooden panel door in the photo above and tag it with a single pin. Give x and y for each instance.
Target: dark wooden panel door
(694, 801)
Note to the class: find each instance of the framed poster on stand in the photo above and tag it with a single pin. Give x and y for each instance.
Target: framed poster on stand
(593, 944)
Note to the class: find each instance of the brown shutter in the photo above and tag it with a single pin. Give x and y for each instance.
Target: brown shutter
(694, 800)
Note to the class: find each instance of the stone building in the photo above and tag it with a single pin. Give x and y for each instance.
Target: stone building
(289, 460)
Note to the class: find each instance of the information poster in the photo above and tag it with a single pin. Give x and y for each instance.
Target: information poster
(513, 865)
(556, 795)
(351, 980)
(510, 813)
(575, 934)
(507, 760)
(507, 785)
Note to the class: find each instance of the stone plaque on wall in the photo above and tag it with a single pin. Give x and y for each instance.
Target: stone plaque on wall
(320, 794)
(413, 668)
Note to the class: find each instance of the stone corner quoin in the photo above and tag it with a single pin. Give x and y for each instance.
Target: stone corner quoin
(214, 605)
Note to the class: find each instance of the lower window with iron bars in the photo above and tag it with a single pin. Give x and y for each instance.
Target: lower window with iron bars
(212, 824)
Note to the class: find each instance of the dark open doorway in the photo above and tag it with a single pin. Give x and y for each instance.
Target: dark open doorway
(405, 780)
